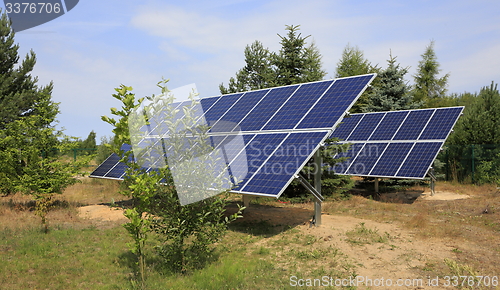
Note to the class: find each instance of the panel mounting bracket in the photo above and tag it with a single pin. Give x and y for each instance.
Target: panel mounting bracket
(316, 189)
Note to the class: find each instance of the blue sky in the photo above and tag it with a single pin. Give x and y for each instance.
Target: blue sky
(101, 44)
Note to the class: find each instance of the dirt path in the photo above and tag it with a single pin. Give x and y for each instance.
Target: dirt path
(401, 257)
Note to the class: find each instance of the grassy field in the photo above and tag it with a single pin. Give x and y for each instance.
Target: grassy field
(271, 244)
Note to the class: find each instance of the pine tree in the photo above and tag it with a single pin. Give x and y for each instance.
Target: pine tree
(28, 132)
(392, 92)
(352, 63)
(256, 74)
(428, 86)
(18, 89)
(296, 62)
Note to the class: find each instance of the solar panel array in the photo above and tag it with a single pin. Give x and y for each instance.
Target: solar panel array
(396, 144)
(281, 128)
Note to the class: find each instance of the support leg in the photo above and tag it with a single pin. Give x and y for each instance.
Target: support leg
(317, 185)
(246, 200)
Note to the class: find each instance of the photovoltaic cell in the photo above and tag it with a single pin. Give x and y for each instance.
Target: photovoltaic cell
(365, 160)
(418, 161)
(441, 123)
(258, 117)
(106, 166)
(346, 126)
(240, 109)
(275, 174)
(413, 125)
(406, 134)
(389, 125)
(366, 127)
(220, 108)
(388, 164)
(258, 150)
(350, 155)
(298, 104)
(335, 102)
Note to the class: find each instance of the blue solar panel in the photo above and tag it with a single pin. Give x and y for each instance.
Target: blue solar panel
(350, 154)
(299, 103)
(118, 171)
(286, 161)
(366, 127)
(207, 103)
(413, 125)
(390, 161)
(389, 125)
(410, 159)
(258, 117)
(106, 166)
(419, 160)
(219, 108)
(299, 116)
(335, 102)
(239, 110)
(345, 128)
(257, 151)
(441, 123)
(365, 160)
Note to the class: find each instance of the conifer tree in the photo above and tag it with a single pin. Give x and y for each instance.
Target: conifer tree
(428, 85)
(256, 74)
(27, 131)
(18, 89)
(296, 62)
(352, 63)
(392, 91)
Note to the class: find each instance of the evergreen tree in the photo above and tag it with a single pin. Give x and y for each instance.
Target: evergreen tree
(296, 62)
(428, 86)
(18, 89)
(480, 123)
(352, 63)
(256, 74)
(28, 133)
(392, 92)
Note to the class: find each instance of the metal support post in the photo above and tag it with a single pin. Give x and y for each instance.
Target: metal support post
(317, 185)
(246, 200)
(376, 185)
(433, 181)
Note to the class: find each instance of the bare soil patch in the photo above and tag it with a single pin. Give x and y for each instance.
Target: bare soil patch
(101, 212)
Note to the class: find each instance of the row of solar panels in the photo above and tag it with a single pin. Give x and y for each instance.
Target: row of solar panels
(302, 106)
(273, 124)
(281, 128)
(399, 144)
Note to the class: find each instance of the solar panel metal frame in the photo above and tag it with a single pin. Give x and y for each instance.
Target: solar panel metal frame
(393, 141)
(326, 130)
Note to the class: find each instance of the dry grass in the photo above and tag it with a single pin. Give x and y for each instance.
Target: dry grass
(17, 211)
(470, 225)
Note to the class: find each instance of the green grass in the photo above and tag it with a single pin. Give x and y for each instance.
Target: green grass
(63, 259)
(362, 235)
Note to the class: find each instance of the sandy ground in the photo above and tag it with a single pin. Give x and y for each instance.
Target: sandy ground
(400, 258)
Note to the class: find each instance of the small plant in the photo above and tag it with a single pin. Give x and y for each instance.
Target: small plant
(362, 235)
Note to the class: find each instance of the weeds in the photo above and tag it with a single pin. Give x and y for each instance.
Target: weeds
(362, 235)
